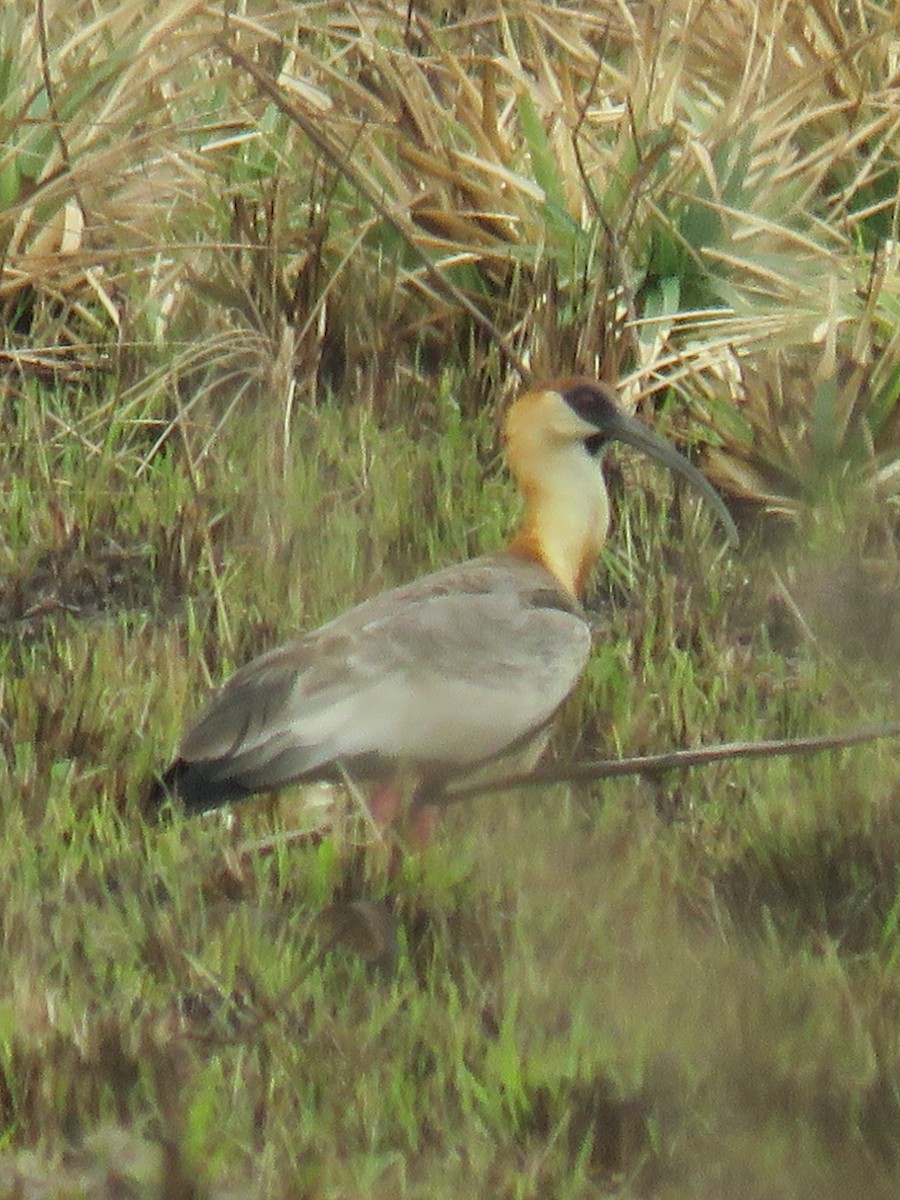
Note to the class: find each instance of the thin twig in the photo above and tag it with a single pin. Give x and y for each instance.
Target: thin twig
(652, 764)
(53, 109)
(615, 257)
(48, 85)
(609, 768)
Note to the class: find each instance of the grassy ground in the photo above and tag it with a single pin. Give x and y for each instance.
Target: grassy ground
(683, 986)
(233, 404)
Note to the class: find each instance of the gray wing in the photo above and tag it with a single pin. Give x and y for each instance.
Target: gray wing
(445, 673)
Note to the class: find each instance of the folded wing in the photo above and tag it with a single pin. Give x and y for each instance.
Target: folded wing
(444, 674)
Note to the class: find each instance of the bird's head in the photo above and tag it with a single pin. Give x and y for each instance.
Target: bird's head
(570, 420)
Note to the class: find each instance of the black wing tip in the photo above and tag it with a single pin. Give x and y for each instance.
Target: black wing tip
(187, 787)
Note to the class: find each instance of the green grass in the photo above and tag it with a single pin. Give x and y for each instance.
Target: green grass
(649, 988)
(233, 402)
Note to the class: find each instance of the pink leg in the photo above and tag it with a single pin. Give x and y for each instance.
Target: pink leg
(384, 805)
(421, 825)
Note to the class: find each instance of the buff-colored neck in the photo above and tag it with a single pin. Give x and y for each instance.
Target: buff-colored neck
(566, 507)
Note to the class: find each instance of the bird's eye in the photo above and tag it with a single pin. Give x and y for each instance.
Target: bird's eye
(595, 444)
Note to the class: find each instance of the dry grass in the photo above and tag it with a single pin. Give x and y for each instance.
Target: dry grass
(267, 276)
(667, 194)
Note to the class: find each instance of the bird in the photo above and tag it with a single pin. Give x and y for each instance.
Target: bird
(439, 678)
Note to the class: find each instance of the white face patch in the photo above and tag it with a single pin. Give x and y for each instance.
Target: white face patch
(540, 419)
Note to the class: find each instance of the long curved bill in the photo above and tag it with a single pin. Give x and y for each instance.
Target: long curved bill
(621, 427)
